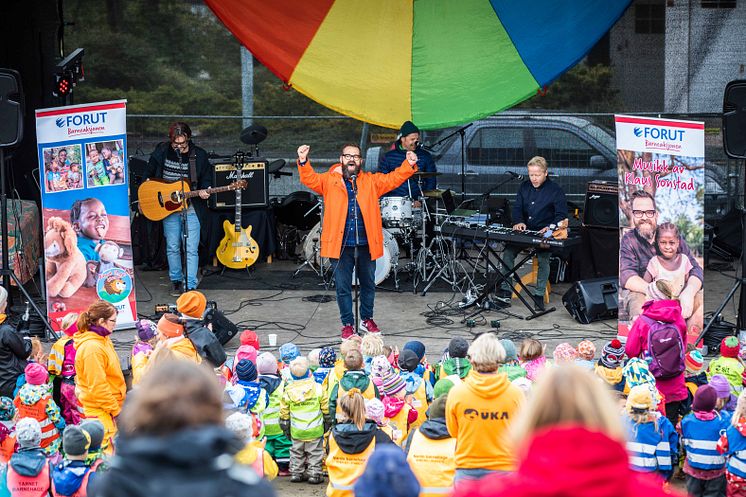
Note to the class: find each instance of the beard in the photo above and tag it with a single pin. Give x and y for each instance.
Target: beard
(346, 170)
(646, 229)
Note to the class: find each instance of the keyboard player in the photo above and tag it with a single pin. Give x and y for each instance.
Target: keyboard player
(539, 204)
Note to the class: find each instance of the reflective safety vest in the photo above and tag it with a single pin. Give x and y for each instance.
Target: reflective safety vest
(138, 363)
(737, 450)
(57, 356)
(29, 486)
(82, 490)
(700, 439)
(369, 393)
(344, 469)
(433, 462)
(258, 463)
(271, 414)
(648, 449)
(306, 418)
(420, 403)
(38, 411)
(399, 425)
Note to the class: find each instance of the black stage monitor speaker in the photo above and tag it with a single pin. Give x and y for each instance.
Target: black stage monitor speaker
(601, 208)
(593, 300)
(11, 108)
(734, 119)
(254, 171)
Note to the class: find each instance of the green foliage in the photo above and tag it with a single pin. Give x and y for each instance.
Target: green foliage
(692, 233)
(583, 88)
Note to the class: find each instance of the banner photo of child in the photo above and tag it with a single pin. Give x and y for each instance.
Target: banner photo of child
(62, 168)
(105, 163)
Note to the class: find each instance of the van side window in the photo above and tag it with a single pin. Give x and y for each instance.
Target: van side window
(496, 147)
(562, 148)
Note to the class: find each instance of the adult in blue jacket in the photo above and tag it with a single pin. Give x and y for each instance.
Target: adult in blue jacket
(409, 136)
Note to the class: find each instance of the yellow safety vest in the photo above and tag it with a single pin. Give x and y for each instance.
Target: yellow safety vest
(433, 462)
(399, 423)
(368, 394)
(344, 469)
(420, 403)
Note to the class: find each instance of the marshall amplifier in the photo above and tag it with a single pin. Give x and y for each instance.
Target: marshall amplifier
(601, 208)
(253, 170)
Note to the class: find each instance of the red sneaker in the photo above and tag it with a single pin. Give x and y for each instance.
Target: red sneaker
(369, 326)
(347, 331)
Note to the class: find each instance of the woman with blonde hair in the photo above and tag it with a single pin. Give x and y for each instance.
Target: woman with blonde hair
(173, 441)
(570, 441)
(98, 373)
(480, 410)
(351, 443)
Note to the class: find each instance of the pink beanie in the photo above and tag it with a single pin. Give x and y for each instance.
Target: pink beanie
(565, 353)
(374, 410)
(246, 352)
(36, 374)
(266, 363)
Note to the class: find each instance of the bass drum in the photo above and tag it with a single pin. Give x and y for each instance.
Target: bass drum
(384, 264)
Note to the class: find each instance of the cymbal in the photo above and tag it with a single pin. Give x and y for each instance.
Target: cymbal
(426, 174)
(433, 193)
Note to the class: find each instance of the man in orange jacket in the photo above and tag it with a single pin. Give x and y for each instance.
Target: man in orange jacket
(352, 218)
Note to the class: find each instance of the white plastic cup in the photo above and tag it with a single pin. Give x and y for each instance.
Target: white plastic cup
(272, 339)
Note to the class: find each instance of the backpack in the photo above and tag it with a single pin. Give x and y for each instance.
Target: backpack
(206, 344)
(665, 348)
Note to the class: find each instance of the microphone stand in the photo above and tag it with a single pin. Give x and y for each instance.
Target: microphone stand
(184, 230)
(461, 132)
(486, 194)
(353, 179)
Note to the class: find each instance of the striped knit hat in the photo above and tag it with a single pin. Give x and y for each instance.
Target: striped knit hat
(612, 354)
(393, 384)
(694, 361)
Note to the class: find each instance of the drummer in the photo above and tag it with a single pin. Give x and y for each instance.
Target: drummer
(408, 140)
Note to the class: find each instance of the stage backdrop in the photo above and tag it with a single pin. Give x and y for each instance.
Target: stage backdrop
(661, 216)
(85, 208)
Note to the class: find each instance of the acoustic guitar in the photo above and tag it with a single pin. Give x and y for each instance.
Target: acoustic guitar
(157, 198)
(237, 250)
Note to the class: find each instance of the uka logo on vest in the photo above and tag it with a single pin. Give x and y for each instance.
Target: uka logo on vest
(474, 414)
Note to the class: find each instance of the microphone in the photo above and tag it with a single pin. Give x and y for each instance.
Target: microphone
(353, 178)
(515, 175)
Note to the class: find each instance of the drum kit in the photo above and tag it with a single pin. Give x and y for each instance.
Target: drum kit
(407, 223)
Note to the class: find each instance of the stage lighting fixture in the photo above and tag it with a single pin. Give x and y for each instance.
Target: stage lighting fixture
(67, 74)
(63, 85)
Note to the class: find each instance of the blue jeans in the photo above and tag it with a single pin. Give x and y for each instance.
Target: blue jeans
(172, 232)
(366, 273)
(542, 274)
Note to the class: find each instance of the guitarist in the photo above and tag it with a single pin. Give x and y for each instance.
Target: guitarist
(171, 161)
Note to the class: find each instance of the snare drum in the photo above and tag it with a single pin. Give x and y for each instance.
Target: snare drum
(396, 212)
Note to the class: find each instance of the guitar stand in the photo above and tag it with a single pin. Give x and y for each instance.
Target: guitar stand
(507, 277)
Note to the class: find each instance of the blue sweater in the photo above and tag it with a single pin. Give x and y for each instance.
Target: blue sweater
(539, 207)
(393, 159)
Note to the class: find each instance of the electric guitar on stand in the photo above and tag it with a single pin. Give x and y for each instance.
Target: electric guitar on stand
(237, 250)
(157, 199)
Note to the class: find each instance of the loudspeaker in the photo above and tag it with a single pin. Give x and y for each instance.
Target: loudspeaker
(734, 119)
(11, 108)
(223, 327)
(256, 193)
(592, 300)
(601, 209)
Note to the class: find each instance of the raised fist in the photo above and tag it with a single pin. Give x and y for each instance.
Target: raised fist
(303, 153)
(411, 158)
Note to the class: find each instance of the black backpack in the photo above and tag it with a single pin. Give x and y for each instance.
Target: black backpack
(205, 343)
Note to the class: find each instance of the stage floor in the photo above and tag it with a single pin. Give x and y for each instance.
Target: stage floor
(289, 313)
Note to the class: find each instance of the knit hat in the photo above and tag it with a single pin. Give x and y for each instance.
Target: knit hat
(442, 387)
(266, 363)
(393, 384)
(299, 367)
(146, 329)
(408, 360)
(246, 370)
(586, 350)
(458, 347)
(636, 372)
(28, 433)
(565, 352)
(241, 425)
(721, 386)
(417, 347)
(408, 128)
(694, 361)
(248, 337)
(192, 304)
(511, 354)
(612, 354)
(169, 328)
(705, 399)
(729, 347)
(75, 441)
(327, 357)
(640, 397)
(36, 374)
(374, 410)
(7, 409)
(288, 352)
(387, 474)
(95, 430)
(245, 352)
(380, 366)
(437, 408)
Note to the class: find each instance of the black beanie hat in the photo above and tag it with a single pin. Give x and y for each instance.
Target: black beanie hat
(408, 128)
(458, 347)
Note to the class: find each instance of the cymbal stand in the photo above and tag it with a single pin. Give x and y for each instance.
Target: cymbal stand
(445, 264)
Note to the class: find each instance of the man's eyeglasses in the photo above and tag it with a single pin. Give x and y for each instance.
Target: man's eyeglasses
(182, 145)
(647, 214)
(351, 157)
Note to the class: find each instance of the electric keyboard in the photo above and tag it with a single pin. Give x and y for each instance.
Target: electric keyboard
(501, 234)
